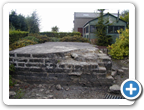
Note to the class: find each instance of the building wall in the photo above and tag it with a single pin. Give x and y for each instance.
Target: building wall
(113, 20)
(79, 22)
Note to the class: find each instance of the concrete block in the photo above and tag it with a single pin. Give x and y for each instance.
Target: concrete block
(22, 69)
(78, 67)
(11, 54)
(36, 69)
(39, 55)
(95, 70)
(100, 75)
(75, 73)
(20, 60)
(102, 69)
(36, 60)
(23, 55)
(62, 65)
(34, 64)
(21, 64)
(105, 58)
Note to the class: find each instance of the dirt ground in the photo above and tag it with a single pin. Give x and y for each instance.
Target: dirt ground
(24, 90)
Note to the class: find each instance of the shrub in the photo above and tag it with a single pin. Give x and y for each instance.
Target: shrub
(16, 35)
(31, 38)
(120, 48)
(21, 43)
(74, 39)
(60, 34)
(41, 38)
(54, 39)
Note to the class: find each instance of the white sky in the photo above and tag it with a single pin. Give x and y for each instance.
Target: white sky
(58, 14)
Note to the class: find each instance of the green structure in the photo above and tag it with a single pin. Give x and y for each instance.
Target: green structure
(89, 28)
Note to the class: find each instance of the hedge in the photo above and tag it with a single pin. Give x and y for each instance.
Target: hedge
(74, 39)
(16, 35)
(60, 34)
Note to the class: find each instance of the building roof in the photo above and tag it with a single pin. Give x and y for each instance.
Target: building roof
(103, 15)
(88, 15)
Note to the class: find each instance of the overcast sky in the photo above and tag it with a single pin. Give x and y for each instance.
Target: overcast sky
(58, 14)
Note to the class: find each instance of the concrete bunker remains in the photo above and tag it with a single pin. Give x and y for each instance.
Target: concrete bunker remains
(67, 63)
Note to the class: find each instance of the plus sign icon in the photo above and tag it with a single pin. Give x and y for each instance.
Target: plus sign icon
(131, 89)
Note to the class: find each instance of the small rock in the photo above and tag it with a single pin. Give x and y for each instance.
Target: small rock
(74, 55)
(120, 71)
(16, 85)
(44, 97)
(67, 89)
(124, 68)
(38, 95)
(12, 93)
(113, 73)
(114, 88)
(110, 77)
(58, 87)
(40, 85)
(47, 92)
(50, 96)
(41, 90)
(33, 94)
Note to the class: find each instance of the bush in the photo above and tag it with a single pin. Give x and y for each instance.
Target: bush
(21, 43)
(31, 38)
(41, 38)
(120, 49)
(74, 39)
(60, 34)
(54, 39)
(49, 34)
(16, 35)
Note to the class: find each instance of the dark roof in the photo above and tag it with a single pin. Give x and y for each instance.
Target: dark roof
(88, 15)
(103, 15)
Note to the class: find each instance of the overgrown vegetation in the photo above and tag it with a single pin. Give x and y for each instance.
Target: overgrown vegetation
(11, 70)
(74, 39)
(19, 94)
(120, 48)
(16, 35)
(21, 43)
(41, 38)
(60, 34)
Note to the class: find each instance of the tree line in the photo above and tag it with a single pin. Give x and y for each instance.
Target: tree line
(19, 22)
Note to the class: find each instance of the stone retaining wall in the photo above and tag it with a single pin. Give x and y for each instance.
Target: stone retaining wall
(61, 68)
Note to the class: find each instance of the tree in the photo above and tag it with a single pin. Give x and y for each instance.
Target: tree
(125, 16)
(17, 22)
(101, 26)
(33, 23)
(55, 29)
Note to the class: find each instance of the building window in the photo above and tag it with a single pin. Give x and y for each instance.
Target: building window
(92, 28)
(113, 29)
(110, 29)
(121, 27)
